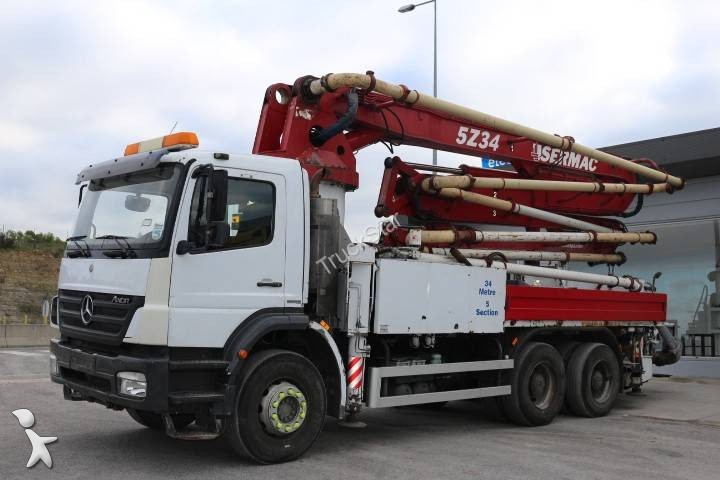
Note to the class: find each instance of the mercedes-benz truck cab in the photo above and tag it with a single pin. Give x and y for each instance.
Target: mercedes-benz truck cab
(173, 249)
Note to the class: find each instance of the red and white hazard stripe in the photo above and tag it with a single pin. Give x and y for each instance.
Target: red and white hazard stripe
(355, 373)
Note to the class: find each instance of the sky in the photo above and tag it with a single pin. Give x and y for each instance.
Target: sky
(81, 79)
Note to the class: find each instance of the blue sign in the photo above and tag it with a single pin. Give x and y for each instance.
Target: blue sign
(495, 164)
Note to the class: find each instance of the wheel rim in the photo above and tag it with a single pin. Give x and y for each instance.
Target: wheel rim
(541, 386)
(601, 382)
(282, 409)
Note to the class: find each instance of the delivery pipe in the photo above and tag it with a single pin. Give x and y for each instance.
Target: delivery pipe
(417, 237)
(332, 81)
(671, 351)
(539, 256)
(508, 206)
(630, 283)
(466, 182)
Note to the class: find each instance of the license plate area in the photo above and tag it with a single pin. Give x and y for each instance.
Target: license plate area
(83, 363)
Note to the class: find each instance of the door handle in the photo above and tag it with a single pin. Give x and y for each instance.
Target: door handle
(269, 284)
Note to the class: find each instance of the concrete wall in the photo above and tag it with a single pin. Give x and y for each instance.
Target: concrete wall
(26, 335)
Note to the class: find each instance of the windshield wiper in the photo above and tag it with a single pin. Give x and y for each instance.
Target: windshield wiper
(82, 251)
(127, 250)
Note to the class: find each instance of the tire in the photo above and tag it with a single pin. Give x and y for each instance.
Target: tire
(155, 421)
(538, 386)
(593, 380)
(566, 350)
(278, 381)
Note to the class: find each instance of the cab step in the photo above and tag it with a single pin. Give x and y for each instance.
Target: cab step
(203, 429)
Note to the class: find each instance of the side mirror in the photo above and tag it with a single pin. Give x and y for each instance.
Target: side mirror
(219, 189)
(184, 247)
(218, 233)
(136, 203)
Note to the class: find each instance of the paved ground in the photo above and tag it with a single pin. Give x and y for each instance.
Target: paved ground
(673, 432)
(708, 367)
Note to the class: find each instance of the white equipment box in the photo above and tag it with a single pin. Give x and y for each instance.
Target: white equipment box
(417, 297)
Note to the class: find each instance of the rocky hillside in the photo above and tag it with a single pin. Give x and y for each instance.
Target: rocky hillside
(26, 278)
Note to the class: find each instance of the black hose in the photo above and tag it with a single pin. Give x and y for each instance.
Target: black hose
(671, 351)
(636, 210)
(319, 137)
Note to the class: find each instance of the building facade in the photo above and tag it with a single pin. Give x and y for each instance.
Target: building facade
(687, 224)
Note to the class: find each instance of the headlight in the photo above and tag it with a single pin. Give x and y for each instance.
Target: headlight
(131, 384)
(53, 365)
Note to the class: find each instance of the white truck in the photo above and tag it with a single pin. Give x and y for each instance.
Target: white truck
(209, 293)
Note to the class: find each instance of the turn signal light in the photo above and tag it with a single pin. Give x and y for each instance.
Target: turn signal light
(175, 141)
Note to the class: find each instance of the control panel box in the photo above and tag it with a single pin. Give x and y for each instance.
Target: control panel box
(416, 297)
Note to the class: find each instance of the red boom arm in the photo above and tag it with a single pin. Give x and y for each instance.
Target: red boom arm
(324, 132)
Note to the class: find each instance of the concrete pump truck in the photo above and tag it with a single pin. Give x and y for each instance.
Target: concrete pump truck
(210, 293)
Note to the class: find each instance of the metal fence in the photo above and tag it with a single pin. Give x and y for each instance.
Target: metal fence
(699, 345)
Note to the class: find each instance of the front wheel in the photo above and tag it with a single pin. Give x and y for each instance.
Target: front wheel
(279, 409)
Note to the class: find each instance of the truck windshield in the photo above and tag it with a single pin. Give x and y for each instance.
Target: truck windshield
(132, 208)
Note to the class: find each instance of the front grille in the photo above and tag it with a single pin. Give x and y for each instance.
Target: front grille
(109, 322)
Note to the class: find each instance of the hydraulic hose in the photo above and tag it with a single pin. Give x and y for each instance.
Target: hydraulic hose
(319, 137)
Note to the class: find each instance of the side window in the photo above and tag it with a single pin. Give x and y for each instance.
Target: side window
(250, 213)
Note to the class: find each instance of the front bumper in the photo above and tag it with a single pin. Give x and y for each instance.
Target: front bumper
(91, 376)
(179, 380)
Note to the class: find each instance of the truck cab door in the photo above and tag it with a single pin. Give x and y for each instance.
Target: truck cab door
(215, 288)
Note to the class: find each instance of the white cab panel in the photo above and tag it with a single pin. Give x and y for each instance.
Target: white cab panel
(415, 297)
(211, 293)
(149, 325)
(121, 276)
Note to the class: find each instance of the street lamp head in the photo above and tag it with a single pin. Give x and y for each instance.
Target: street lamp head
(406, 8)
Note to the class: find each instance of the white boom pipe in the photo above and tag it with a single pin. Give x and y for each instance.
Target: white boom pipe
(538, 256)
(630, 283)
(468, 181)
(417, 237)
(508, 206)
(358, 80)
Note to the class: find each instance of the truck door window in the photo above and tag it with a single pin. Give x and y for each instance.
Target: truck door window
(250, 213)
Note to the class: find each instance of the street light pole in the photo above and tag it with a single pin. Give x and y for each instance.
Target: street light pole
(410, 8)
(434, 64)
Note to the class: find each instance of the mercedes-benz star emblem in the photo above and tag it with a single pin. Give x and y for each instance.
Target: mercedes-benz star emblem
(86, 310)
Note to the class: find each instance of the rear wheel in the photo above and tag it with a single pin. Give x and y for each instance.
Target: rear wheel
(538, 385)
(280, 407)
(593, 380)
(566, 350)
(155, 421)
